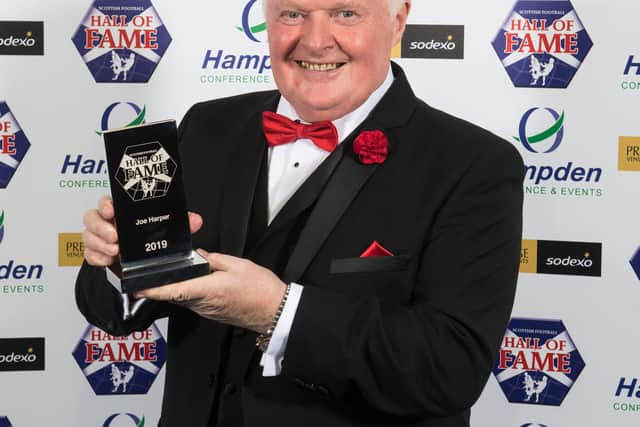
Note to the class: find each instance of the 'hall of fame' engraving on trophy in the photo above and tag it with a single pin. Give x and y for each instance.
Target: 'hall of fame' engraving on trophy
(150, 208)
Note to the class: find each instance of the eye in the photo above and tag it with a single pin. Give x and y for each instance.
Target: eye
(347, 14)
(291, 16)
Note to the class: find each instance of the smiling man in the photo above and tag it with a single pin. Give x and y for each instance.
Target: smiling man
(365, 246)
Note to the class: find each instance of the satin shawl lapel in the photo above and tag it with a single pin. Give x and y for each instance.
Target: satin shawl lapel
(242, 174)
(394, 110)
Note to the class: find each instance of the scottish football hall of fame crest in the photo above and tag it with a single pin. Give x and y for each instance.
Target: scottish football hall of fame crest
(150, 208)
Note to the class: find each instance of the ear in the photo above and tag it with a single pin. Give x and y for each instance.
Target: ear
(400, 21)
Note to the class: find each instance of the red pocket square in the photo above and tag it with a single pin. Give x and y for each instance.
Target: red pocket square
(375, 249)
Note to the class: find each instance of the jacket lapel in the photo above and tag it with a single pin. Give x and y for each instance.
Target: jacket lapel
(394, 110)
(244, 167)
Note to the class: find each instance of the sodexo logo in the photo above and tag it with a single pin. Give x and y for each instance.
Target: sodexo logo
(232, 67)
(21, 38)
(553, 133)
(533, 425)
(253, 24)
(431, 41)
(542, 131)
(4, 422)
(120, 365)
(124, 420)
(22, 354)
(558, 257)
(121, 42)
(13, 145)
(122, 114)
(538, 362)
(542, 43)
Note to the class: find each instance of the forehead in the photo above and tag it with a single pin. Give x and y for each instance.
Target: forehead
(325, 4)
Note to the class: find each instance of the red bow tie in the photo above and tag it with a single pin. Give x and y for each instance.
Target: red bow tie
(280, 130)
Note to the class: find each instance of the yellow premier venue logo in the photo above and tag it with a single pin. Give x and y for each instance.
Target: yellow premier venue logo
(629, 153)
(529, 256)
(70, 249)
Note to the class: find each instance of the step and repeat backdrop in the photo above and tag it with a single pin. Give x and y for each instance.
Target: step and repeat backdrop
(560, 80)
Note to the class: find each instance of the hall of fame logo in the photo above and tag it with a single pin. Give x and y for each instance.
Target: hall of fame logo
(146, 171)
(13, 145)
(120, 365)
(542, 43)
(538, 362)
(121, 42)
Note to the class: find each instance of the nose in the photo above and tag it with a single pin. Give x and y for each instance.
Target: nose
(318, 36)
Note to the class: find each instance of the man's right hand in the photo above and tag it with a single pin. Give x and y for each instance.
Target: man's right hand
(101, 238)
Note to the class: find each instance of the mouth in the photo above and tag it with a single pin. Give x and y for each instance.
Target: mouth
(320, 67)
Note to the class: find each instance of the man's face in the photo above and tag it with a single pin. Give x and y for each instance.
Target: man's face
(328, 56)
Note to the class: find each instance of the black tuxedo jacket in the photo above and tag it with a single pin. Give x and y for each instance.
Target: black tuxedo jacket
(405, 340)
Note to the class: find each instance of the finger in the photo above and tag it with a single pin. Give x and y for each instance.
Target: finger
(105, 208)
(97, 225)
(180, 292)
(195, 222)
(222, 262)
(97, 244)
(98, 259)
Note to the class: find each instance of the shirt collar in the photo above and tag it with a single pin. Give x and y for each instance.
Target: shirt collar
(349, 122)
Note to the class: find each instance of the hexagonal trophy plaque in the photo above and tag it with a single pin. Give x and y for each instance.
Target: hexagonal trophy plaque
(150, 206)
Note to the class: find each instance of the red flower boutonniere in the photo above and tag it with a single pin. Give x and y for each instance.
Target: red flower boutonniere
(371, 147)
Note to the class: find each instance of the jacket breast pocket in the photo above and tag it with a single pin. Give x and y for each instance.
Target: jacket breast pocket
(369, 264)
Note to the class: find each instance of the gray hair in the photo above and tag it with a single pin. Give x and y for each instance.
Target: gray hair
(394, 6)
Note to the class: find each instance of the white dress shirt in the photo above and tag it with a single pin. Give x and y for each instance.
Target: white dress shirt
(289, 167)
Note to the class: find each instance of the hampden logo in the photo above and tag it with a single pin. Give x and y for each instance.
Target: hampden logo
(252, 13)
(241, 68)
(4, 422)
(121, 41)
(13, 145)
(146, 171)
(553, 133)
(18, 278)
(137, 116)
(22, 354)
(120, 365)
(21, 38)
(85, 171)
(541, 132)
(556, 257)
(627, 388)
(431, 41)
(128, 419)
(631, 81)
(542, 43)
(538, 362)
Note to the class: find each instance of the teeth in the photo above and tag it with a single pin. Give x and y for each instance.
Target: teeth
(318, 67)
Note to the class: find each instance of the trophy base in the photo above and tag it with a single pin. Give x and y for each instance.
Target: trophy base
(160, 272)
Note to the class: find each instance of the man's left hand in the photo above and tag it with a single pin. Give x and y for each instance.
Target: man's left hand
(238, 292)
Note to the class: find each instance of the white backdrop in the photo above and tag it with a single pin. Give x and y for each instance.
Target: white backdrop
(59, 106)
